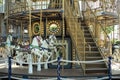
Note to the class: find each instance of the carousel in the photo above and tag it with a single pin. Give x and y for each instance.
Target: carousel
(53, 39)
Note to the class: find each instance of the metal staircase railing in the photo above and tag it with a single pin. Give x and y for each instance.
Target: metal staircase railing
(75, 31)
(21, 6)
(92, 21)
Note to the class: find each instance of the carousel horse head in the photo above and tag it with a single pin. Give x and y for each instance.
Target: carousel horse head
(45, 44)
(37, 41)
(52, 38)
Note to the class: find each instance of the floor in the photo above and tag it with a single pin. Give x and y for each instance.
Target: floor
(22, 71)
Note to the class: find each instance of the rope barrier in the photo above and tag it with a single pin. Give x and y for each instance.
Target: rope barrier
(94, 78)
(52, 61)
(3, 60)
(62, 60)
(48, 78)
(3, 77)
(83, 61)
(59, 60)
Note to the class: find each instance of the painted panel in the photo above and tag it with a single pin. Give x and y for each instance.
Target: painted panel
(65, 53)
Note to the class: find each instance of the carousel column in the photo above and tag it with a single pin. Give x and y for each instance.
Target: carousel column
(21, 31)
(46, 63)
(7, 21)
(30, 34)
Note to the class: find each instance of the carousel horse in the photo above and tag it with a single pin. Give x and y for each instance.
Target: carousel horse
(43, 48)
(35, 49)
(46, 51)
(9, 47)
(19, 55)
(49, 48)
(9, 40)
(2, 49)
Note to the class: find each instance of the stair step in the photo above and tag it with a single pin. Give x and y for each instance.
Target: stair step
(93, 58)
(86, 31)
(92, 54)
(88, 37)
(87, 34)
(96, 71)
(96, 65)
(91, 49)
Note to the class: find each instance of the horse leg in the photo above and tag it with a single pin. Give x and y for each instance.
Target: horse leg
(30, 63)
(48, 57)
(56, 53)
(39, 63)
(19, 57)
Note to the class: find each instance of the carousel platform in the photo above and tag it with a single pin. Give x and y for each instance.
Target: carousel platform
(21, 72)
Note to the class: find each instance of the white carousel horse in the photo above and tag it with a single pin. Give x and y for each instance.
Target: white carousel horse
(42, 48)
(19, 55)
(9, 47)
(46, 51)
(49, 48)
(35, 45)
(9, 40)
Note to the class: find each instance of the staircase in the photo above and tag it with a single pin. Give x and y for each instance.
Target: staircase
(92, 52)
(84, 43)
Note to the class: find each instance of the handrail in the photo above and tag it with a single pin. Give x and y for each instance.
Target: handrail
(16, 7)
(96, 18)
(100, 25)
(75, 31)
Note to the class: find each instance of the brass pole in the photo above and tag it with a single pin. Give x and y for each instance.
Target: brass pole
(7, 28)
(63, 33)
(46, 27)
(30, 20)
(21, 31)
(40, 18)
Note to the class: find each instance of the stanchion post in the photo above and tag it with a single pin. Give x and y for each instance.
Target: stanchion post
(109, 68)
(9, 68)
(58, 69)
